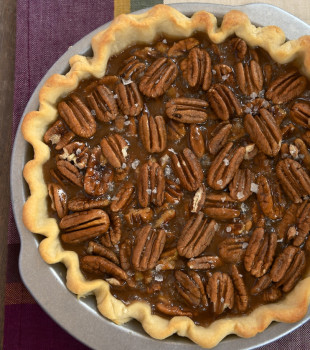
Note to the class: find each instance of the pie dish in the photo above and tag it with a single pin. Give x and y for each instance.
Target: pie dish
(36, 220)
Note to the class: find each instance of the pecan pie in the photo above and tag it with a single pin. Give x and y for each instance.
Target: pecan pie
(172, 174)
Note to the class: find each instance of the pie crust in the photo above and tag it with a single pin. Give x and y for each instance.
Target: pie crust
(124, 31)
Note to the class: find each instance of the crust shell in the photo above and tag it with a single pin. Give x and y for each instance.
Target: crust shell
(126, 30)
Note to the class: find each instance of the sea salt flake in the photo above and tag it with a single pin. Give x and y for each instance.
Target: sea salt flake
(244, 245)
(172, 150)
(115, 96)
(135, 164)
(159, 278)
(93, 112)
(154, 190)
(248, 110)
(213, 71)
(127, 122)
(159, 267)
(223, 199)
(240, 195)
(253, 95)
(222, 300)
(123, 165)
(219, 182)
(127, 81)
(114, 198)
(148, 191)
(243, 207)
(225, 77)
(167, 170)
(216, 226)
(177, 181)
(124, 151)
(254, 187)
(228, 229)
(280, 240)
(226, 161)
(110, 186)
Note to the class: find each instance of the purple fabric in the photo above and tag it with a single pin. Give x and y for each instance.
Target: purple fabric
(45, 29)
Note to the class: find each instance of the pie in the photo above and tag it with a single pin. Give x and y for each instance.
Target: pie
(172, 174)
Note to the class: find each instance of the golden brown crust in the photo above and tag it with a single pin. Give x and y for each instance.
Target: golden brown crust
(125, 30)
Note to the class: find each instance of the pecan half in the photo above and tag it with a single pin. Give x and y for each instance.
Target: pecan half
(223, 102)
(98, 249)
(180, 47)
(294, 179)
(269, 198)
(187, 110)
(158, 77)
(173, 192)
(114, 148)
(129, 99)
(188, 169)
(288, 267)
(138, 216)
(100, 265)
(272, 294)
(219, 137)
(58, 134)
(224, 166)
(300, 114)
(224, 74)
(172, 310)
(261, 284)
(288, 220)
(286, 87)
(165, 217)
(306, 137)
(264, 131)
(77, 116)
(151, 184)
(113, 235)
(220, 206)
(240, 47)
(70, 172)
(81, 204)
(132, 68)
(175, 130)
(196, 140)
(196, 69)
(204, 263)
(59, 199)
(153, 133)
(303, 152)
(84, 225)
(76, 152)
(232, 250)
(198, 199)
(101, 100)
(123, 197)
(191, 288)
(97, 177)
(196, 236)
(240, 187)
(260, 252)
(149, 244)
(249, 77)
(220, 291)
(241, 294)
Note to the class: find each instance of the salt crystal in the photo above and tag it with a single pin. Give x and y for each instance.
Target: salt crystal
(155, 190)
(261, 94)
(127, 82)
(253, 95)
(219, 182)
(123, 165)
(240, 195)
(127, 122)
(254, 187)
(226, 161)
(228, 229)
(172, 150)
(244, 245)
(243, 207)
(223, 199)
(135, 164)
(178, 165)
(136, 105)
(93, 112)
(177, 181)
(265, 104)
(115, 96)
(159, 278)
(159, 267)
(222, 300)
(225, 77)
(110, 186)
(124, 151)
(216, 226)
(164, 41)
(114, 198)
(247, 110)
(280, 240)
(148, 191)
(78, 151)
(213, 71)
(125, 116)
(167, 170)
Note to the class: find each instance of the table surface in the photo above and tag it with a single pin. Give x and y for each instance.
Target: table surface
(7, 59)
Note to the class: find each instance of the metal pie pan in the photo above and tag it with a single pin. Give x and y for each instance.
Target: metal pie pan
(46, 282)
